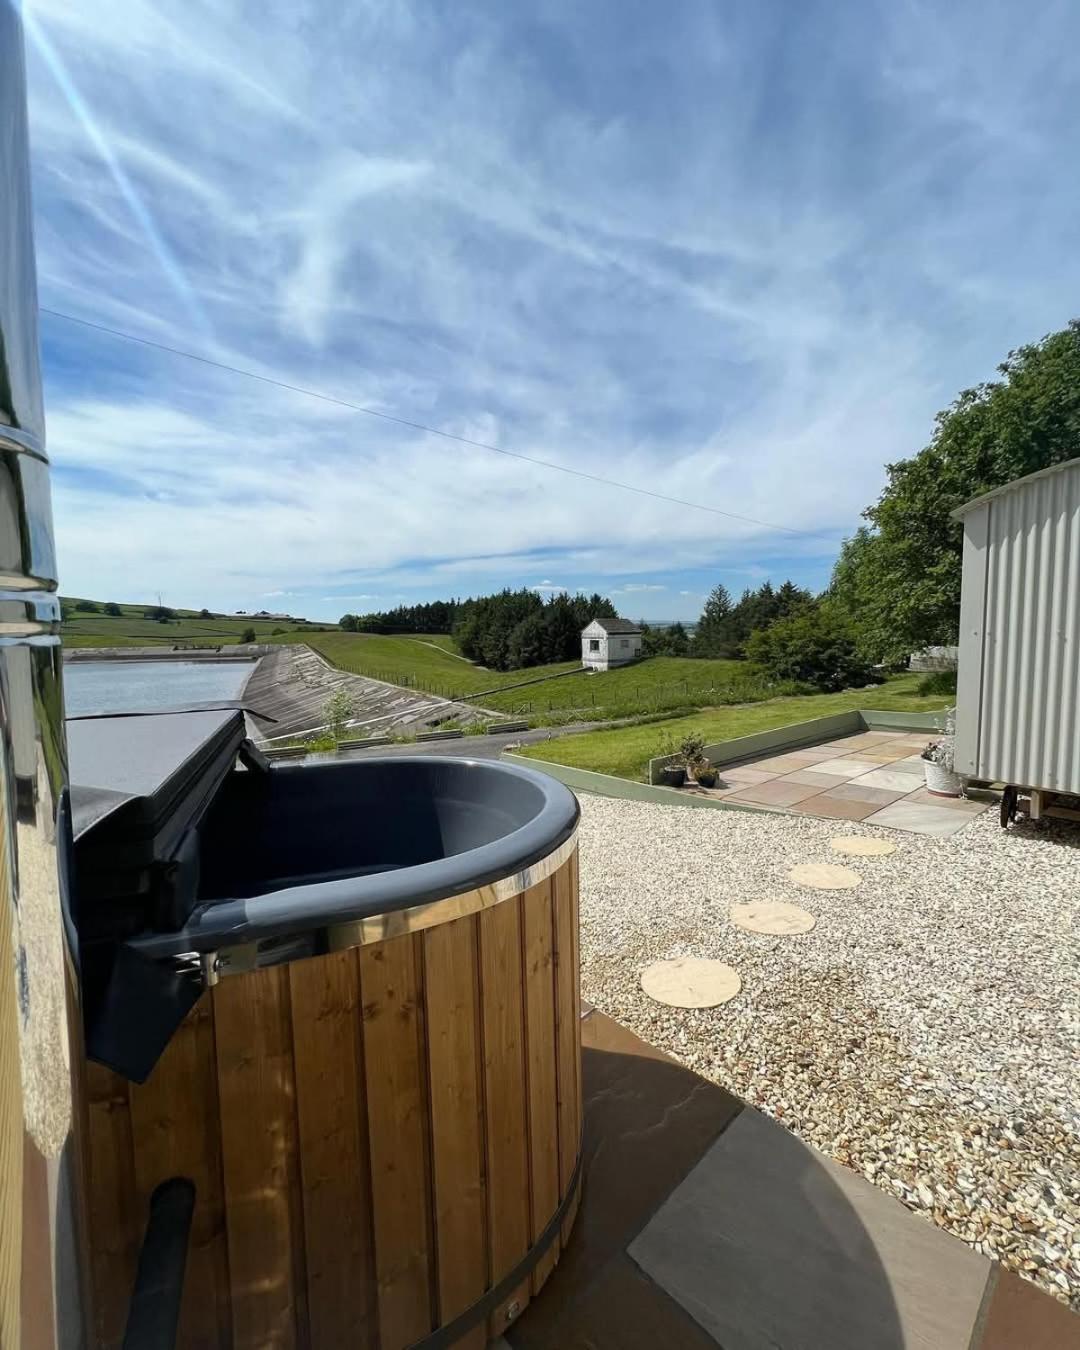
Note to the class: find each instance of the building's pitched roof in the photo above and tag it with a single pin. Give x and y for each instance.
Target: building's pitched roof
(1018, 484)
(611, 626)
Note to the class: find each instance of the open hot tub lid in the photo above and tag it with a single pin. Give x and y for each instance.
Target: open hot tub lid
(141, 779)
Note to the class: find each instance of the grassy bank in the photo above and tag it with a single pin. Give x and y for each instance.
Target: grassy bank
(626, 752)
(419, 662)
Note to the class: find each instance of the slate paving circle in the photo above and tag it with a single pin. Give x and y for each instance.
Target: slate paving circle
(690, 982)
(825, 876)
(772, 916)
(859, 847)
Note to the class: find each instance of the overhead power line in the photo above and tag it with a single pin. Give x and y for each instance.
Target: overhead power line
(430, 431)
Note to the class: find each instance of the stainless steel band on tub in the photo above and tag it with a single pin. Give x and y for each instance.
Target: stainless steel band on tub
(248, 956)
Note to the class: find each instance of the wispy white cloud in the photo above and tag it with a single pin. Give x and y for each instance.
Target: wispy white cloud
(461, 217)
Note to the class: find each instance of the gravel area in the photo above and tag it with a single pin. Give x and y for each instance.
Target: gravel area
(926, 1033)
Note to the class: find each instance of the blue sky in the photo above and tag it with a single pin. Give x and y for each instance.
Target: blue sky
(736, 253)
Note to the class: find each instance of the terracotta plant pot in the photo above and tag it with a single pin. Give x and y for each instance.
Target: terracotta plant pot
(940, 781)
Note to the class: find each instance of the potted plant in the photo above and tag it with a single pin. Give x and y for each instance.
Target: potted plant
(705, 774)
(673, 773)
(942, 780)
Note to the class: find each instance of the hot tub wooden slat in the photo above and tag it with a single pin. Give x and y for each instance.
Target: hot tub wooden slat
(397, 1107)
(260, 1161)
(174, 1116)
(502, 998)
(452, 994)
(539, 948)
(377, 1136)
(568, 1014)
(113, 1200)
(329, 1066)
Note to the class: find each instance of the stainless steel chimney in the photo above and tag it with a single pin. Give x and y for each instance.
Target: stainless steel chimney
(41, 1286)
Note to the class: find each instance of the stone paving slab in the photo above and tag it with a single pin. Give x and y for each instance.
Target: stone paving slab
(834, 808)
(897, 780)
(919, 818)
(778, 792)
(769, 1244)
(845, 766)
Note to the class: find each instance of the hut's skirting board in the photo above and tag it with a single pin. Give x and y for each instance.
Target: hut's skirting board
(377, 1136)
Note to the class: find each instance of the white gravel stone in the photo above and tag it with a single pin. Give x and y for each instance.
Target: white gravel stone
(926, 1033)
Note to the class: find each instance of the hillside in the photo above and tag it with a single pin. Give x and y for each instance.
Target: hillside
(131, 629)
(420, 662)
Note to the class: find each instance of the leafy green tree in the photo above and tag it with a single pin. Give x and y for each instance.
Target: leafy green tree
(113, 609)
(248, 635)
(811, 647)
(528, 641)
(86, 606)
(898, 578)
(348, 623)
(205, 614)
(677, 640)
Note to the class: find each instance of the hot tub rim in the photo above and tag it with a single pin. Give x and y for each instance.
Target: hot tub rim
(379, 905)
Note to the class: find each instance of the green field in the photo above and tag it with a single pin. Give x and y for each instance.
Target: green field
(130, 629)
(657, 684)
(626, 751)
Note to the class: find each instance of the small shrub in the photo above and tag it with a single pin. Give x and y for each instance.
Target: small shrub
(248, 635)
(692, 750)
(943, 750)
(938, 682)
(338, 710)
(705, 775)
(113, 610)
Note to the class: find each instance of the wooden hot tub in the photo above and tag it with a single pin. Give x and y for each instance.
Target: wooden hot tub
(378, 1097)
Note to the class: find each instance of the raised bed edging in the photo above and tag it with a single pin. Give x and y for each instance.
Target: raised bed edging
(777, 740)
(607, 785)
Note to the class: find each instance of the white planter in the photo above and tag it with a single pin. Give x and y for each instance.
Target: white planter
(942, 782)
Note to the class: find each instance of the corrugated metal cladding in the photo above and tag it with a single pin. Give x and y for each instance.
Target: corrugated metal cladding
(1019, 684)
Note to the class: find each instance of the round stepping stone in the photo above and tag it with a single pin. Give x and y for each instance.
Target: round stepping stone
(772, 916)
(690, 982)
(859, 847)
(825, 876)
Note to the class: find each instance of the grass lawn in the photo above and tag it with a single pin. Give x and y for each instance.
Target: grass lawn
(648, 686)
(415, 662)
(626, 751)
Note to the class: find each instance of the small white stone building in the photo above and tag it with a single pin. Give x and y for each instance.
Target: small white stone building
(607, 643)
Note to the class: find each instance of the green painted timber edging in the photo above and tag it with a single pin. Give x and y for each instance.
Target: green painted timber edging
(606, 785)
(778, 740)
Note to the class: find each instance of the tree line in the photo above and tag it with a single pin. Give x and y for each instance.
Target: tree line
(506, 631)
(437, 616)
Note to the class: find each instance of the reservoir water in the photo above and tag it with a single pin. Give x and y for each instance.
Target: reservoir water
(147, 686)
